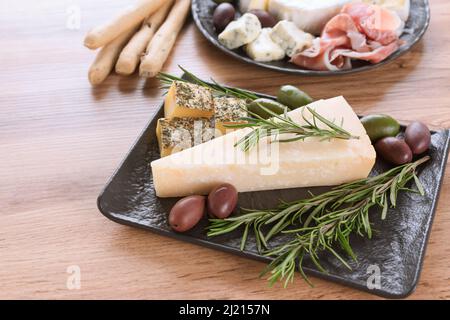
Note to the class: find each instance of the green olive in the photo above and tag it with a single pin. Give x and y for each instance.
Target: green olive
(293, 97)
(380, 126)
(275, 107)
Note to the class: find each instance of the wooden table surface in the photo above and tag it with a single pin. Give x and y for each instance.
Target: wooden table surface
(61, 140)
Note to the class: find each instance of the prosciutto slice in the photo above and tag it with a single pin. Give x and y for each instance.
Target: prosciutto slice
(377, 23)
(374, 56)
(318, 57)
(352, 34)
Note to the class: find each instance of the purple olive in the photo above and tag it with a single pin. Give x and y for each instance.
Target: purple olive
(222, 200)
(266, 19)
(223, 15)
(394, 150)
(186, 213)
(418, 137)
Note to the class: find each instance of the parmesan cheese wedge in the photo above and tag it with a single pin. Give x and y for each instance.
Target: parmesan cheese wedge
(271, 165)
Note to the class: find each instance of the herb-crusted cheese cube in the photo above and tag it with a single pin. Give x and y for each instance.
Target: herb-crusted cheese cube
(290, 38)
(241, 31)
(186, 100)
(177, 134)
(228, 110)
(264, 49)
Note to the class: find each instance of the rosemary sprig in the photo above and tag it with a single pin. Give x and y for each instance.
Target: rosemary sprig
(283, 124)
(218, 89)
(330, 219)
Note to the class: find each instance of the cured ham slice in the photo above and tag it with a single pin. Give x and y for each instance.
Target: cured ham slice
(374, 56)
(318, 57)
(379, 24)
(343, 31)
(360, 31)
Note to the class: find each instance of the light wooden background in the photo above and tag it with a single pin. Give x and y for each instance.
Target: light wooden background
(60, 140)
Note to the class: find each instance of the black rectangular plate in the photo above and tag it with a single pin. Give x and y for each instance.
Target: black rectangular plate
(397, 247)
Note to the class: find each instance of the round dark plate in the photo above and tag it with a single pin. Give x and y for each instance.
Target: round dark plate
(416, 26)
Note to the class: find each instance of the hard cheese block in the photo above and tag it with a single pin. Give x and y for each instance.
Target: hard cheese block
(272, 165)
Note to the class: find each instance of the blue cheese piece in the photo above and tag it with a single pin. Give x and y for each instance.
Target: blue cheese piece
(241, 31)
(290, 38)
(264, 49)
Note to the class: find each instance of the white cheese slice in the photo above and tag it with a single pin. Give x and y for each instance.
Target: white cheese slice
(289, 37)
(243, 5)
(401, 7)
(309, 15)
(247, 5)
(271, 165)
(241, 31)
(263, 48)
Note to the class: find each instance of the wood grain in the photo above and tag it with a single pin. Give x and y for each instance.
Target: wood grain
(61, 140)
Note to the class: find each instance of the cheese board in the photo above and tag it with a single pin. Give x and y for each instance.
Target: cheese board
(396, 249)
(415, 13)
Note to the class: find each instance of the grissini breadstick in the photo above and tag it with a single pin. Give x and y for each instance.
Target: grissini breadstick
(107, 57)
(101, 35)
(131, 54)
(160, 46)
